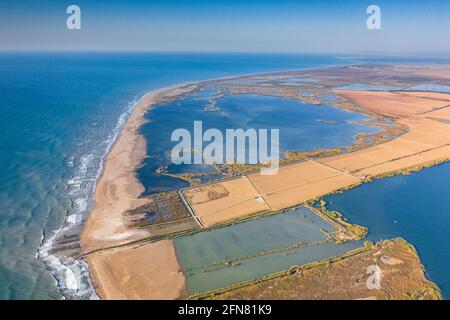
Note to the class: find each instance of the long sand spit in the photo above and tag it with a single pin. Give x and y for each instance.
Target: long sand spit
(115, 273)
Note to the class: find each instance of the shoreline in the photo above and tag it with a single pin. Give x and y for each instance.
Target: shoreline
(71, 275)
(117, 189)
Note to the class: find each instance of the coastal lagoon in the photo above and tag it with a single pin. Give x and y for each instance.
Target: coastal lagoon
(202, 255)
(415, 207)
(302, 127)
(62, 112)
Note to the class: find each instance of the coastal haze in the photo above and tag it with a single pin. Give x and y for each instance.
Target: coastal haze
(92, 205)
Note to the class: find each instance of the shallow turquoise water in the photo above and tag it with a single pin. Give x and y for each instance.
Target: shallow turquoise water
(252, 237)
(415, 207)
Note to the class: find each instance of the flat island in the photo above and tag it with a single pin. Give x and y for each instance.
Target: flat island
(137, 243)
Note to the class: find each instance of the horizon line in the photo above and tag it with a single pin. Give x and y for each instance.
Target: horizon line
(338, 54)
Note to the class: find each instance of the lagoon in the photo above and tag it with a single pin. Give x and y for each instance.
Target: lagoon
(302, 127)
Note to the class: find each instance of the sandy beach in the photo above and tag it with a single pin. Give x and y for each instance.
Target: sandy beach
(149, 271)
(118, 190)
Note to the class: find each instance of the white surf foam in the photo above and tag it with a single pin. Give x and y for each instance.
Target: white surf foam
(72, 275)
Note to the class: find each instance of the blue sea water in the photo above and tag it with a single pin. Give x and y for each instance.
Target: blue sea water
(60, 114)
(415, 207)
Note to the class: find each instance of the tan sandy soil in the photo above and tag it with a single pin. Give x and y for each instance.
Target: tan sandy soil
(390, 261)
(300, 194)
(146, 272)
(375, 156)
(431, 72)
(295, 174)
(118, 189)
(429, 95)
(441, 153)
(206, 193)
(392, 104)
(241, 210)
(424, 135)
(240, 201)
(290, 186)
(442, 114)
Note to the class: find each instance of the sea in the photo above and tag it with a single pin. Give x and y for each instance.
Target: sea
(61, 113)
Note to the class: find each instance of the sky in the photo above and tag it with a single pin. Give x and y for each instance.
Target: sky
(300, 26)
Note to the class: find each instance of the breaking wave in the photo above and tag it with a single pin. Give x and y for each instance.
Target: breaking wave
(59, 249)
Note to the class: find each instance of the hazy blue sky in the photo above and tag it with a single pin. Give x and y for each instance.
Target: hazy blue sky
(414, 26)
